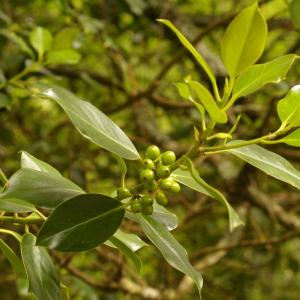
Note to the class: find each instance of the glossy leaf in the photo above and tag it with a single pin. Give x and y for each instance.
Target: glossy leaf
(164, 216)
(41, 40)
(93, 124)
(18, 41)
(292, 139)
(133, 241)
(269, 162)
(255, 77)
(63, 56)
(208, 102)
(81, 223)
(30, 162)
(41, 273)
(191, 49)
(195, 182)
(169, 247)
(40, 188)
(288, 108)
(244, 40)
(294, 8)
(13, 259)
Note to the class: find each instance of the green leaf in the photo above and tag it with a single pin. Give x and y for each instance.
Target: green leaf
(5, 101)
(134, 242)
(81, 223)
(93, 124)
(169, 247)
(164, 216)
(255, 77)
(41, 40)
(294, 8)
(244, 40)
(30, 162)
(191, 49)
(123, 246)
(267, 161)
(13, 259)
(63, 56)
(208, 102)
(15, 205)
(184, 92)
(288, 108)
(3, 177)
(195, 182)
(65, 38)
(18, 41)
(41, 273)
(40, 188)
(292, 139)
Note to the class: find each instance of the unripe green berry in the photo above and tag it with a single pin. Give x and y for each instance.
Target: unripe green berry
(166, 184)
(151, 186)
(123, 193)
(136, 206)
(168, 158)
(147, 210)
(161, 199)
(148, 164)
(163, 172)
(147, 175)
(152, 152)
(146, 201)
(175, 188)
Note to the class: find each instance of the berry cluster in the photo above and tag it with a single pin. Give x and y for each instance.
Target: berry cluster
(155, 176)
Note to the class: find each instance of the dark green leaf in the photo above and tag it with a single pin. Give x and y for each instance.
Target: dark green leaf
(81, 223)
(13, 259)
(269, 162)
(123, 246)
(63, 56)
(41, 273)
(5, 101)
(93, 124)
(17, 40)
(288, 108)
(244, 40)
(40, 188)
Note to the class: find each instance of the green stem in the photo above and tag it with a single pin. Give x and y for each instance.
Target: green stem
(12, 233)
(20, 220)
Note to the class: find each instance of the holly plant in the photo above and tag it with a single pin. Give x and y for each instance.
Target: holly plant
(53, 213)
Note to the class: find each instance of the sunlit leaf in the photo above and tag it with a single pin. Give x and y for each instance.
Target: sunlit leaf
(256, 76)
(292, 139)
(269, 162)
(288, 108)
(63, 56)
(93, 124)
(41, 40)
(244, 40)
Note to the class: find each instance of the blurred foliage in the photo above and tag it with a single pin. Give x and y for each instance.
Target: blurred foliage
(128, 64)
